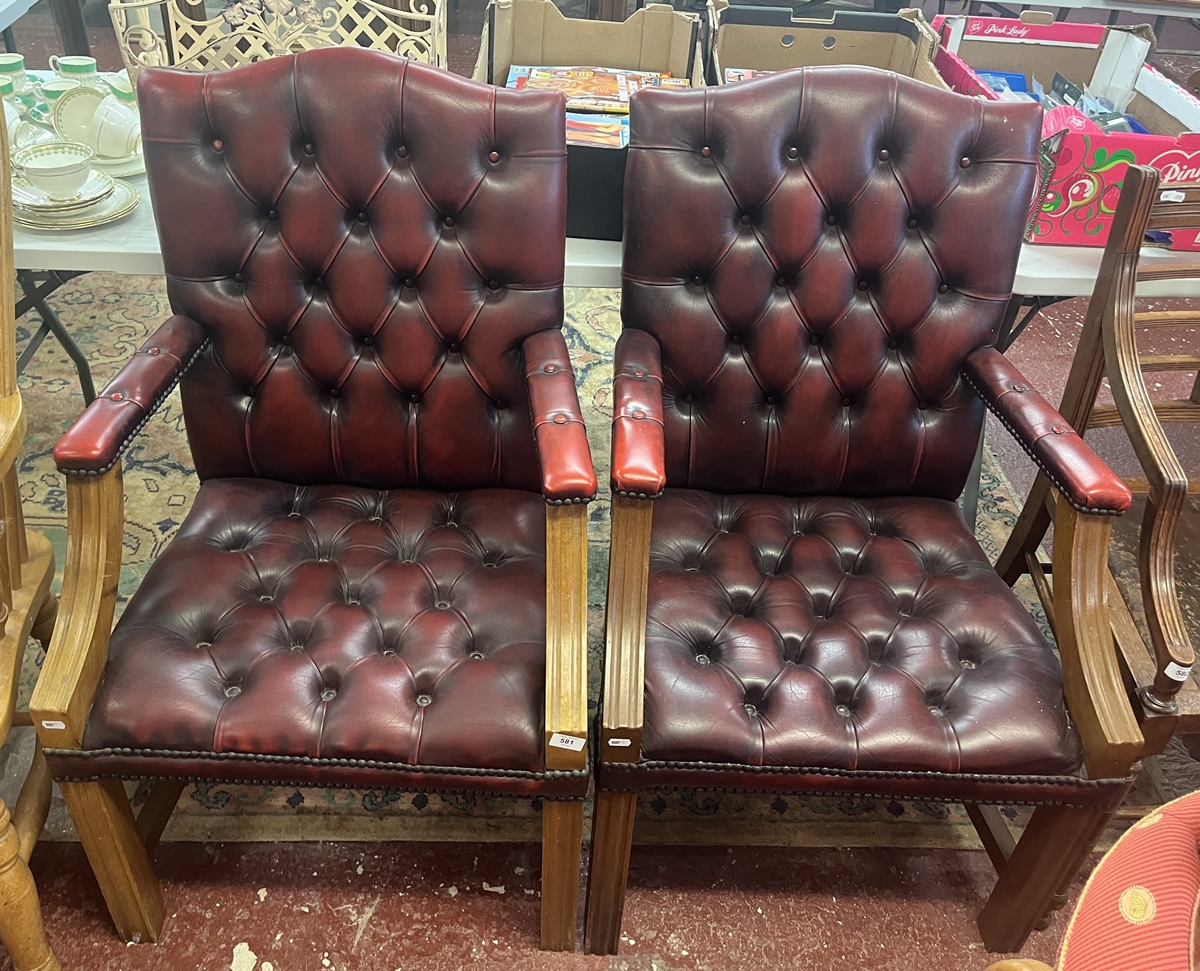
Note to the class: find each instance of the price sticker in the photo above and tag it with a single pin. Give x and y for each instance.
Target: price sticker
(1177, 672)
(569, 742)
(1172, 195)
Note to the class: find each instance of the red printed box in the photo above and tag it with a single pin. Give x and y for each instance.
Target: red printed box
(1086, 165)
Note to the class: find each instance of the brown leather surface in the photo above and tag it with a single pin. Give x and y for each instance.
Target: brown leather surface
(288, 627)
(107, 425)
(638, 463)
(843, 634)
(816, 253)
(1078, 472)
(367, 242)
(561, 436)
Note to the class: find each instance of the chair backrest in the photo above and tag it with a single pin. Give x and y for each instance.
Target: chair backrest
(817, 252)
(366, 241)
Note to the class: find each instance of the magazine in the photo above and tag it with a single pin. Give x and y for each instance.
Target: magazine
(743, 74)
(599, 89)
(598, 130)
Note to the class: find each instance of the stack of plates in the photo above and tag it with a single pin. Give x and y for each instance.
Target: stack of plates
(101, 200)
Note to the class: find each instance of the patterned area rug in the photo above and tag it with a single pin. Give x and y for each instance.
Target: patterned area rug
(111, 316)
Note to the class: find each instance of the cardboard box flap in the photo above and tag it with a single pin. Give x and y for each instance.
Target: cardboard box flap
(535, 32)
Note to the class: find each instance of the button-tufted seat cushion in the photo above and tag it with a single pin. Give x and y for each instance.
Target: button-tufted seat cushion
(790, 636)
(335, 634)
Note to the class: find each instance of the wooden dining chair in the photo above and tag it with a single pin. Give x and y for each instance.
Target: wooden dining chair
(1167, 697)
(27, 607)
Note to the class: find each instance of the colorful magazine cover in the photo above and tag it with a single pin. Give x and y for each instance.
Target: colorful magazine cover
(743, 74)
(597, 130)
(591, 88)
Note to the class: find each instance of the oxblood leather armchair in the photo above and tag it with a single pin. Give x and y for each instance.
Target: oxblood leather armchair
(382, 581)
(815, 267)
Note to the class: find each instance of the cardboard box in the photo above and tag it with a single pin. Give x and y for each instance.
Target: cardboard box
(1086, 165)
(534, 32)
(765, 38)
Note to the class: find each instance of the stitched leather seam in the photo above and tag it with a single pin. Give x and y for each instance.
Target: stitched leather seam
(185, 366)
(994, 409)
(625, 494)
(548, 774)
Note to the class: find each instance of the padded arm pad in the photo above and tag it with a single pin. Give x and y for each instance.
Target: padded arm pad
(94, 443)
(639, 465)
(1074, 469)
(558, 429)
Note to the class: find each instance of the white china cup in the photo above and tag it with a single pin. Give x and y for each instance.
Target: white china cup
(51, 89)
(115, 130)
(59, 169)
(13, 66)
(75, 68)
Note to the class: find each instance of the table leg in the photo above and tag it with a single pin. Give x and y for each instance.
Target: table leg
(1160, 24)
(68, 17)
(35, 299)
(10, 42)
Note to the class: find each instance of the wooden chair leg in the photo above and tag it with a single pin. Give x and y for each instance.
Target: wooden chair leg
(562, 847)
(608, 872)
(104, 821)
(1054, 845)
(156, 811)
(33, 804)
(43, 624)
(21, 927)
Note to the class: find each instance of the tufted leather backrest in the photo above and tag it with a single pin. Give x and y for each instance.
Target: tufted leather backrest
(367, 242)
(817, 252)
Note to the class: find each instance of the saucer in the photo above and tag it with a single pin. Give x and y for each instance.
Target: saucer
(120, 202)
(121, 168)
(72, 112)
(30, 198)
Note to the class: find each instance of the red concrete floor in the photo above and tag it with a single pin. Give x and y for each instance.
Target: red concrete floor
(433, 906)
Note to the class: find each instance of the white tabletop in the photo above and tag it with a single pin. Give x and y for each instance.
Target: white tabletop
(130, 245)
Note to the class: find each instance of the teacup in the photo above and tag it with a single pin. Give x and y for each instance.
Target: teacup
(13, 66)
(120, 87)
(75, 68)
(59, 169)
(115, 130)
(54, 87)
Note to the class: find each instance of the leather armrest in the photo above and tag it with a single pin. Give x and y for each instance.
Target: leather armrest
(94, 443)
(558, 429)
(638, 453)
(1076, 471)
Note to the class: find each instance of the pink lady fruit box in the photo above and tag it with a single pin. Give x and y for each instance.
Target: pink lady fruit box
(1085, 165)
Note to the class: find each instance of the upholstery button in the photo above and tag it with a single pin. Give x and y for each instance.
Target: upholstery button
(117, 396)
(922, 405)
(218, 145)
(842, 710)
(845, 402)
(410, 282)
(781, 281)
(493, 284)
(498, 405)
(402, 152)
(735, 339)
(770, 399)
(368, 341)
(273, 215)
(239, 278)
(452, 347)
(442, 605)
(814, 338)
(943, 288)
(831, 219)
(969, 665)
(232, 691)
(153, 351)
(706, 151)
(703, 659)
(203, 644)
(862, 284)
(414, 397)
(793, 152)
(448, 221)
(689, 398)
(309, 149)
(295, 647)
(750, 710)
(494, 157)
(639, 373)
(965, 163)
(361, 217)
(912, 224)
(319, 282)
(328, 694)
(1059, 429)
(550, 368)
(1019, 388)
(424, 701)
(476, 656)
(250, 392)
(893, 344)
(333, 392)
(562, 419)
(936, 712)
(698, 280)
(638, 415)
(883, 155)
(265, 598)
(745, 219)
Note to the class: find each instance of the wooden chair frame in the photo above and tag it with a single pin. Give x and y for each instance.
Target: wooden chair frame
(1035, 871)
(27, 607)
(1166, 698)
(119, 846)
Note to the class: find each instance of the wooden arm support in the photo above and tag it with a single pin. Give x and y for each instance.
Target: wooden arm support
(566, 636)
(625, 652)
(1092, 681)
(75, 662)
